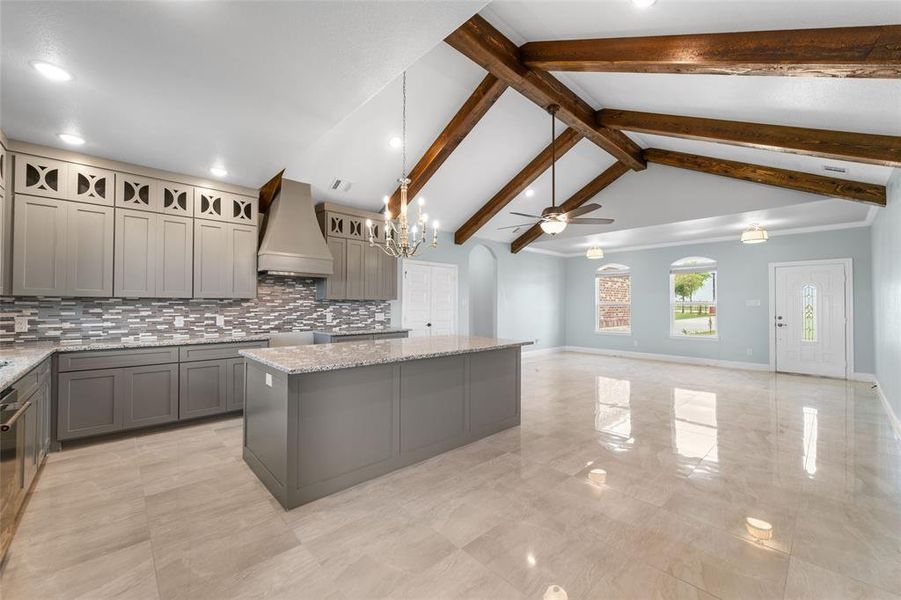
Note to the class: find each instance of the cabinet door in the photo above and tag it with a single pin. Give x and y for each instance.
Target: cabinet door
(177, 199)
(90, 250)
(202, 388)
(5, 240)
(372, 272)
(4, 164)
(234, 387)
(39, 246)
(389, 277)
(150, 395)
(336, 284)
(46, 395)
(211, 204)
(139, 193)
(30, 422)
(210, 259)
(242, 261)
(354, 269)
(41, 176)
(136, 253)
(89, 184)
(243, 210)
(89, 403)
(174, 259)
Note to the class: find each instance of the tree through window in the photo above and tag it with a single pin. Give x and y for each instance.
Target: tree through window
(693, 297)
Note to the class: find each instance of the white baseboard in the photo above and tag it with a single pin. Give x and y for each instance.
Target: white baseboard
(541, 351)
(892, 417)
(690, 360)
(865, 377)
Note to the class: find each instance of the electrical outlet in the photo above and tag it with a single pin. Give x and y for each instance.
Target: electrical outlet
(269, 379)
(220, 321)
(21, 324)
(379, 316)
(179, 321)
(328, 317)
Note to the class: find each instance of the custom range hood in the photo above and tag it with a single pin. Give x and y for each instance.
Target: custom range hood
(292, 243)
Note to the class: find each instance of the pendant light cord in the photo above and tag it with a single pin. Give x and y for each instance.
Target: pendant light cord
(553, 109)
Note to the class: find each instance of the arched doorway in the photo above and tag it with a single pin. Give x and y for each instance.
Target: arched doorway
(482, 292)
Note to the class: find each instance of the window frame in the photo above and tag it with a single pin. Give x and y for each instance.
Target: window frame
(684, 265)
(612, 270)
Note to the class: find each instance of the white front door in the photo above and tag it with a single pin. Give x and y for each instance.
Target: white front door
(810, 319)
(429, 298)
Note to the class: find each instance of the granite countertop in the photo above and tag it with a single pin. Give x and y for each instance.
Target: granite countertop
(294, 360)
(24, 357)
(371, 331)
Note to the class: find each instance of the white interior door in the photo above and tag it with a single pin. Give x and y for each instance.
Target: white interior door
(810, 319)
(429, 298)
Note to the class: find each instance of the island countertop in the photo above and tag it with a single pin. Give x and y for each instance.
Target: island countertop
(295, 360)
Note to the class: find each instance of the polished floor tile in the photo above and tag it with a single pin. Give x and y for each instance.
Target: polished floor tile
(627, 479)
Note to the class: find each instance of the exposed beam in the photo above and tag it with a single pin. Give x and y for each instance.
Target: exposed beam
(835, 52)
(840, 145)
(472, 111)
(792, 180)
(483, 44)
(589, 191)
(538, 165)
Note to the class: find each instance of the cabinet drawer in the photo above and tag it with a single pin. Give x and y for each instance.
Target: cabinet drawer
(29, 382)
(216, 351)
(394, 335)
(112, 359)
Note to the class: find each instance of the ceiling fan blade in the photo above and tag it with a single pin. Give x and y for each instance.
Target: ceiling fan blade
(514, 227)
(519, 214)
(583, 210)
(590, 221)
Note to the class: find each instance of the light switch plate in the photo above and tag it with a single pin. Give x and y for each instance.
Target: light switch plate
(21, 324)
(752, 302)
(220, 320)
(269, 379)
(179, 321)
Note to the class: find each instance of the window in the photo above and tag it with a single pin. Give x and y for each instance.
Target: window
(693, 298)
(613, 299)
(809, 316)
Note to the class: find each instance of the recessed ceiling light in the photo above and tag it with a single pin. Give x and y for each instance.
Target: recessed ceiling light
(643, 3)
(530, 192)
(395, 142)
(218, 171)
(71, 139)
(51, 72)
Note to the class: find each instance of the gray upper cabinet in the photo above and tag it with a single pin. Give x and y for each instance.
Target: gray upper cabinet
(92, 185)
(336, 285)
(372, 272)
(136, 253)
(5, 242)
(90, 250)
(225, 257)
(40, 246)
(222, 206)
(4, 164)
(174, 256)
(356, 251)
(177, 199)
(139, 193)
(40, 176)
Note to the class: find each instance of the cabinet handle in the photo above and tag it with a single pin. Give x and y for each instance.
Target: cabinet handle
(12, 420)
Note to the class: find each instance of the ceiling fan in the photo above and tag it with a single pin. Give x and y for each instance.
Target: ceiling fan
(552, 220)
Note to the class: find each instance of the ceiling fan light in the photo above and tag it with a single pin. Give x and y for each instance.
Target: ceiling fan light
(594, 253)
(553, 226)
(755, 234)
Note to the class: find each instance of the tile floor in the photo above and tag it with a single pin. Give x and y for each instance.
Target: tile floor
(689, 453)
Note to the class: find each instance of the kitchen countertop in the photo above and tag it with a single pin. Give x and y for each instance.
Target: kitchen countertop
(371, 331)
(294, 360)
(26, 356)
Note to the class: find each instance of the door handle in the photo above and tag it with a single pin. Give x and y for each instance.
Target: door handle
(781, 324)
(12, 420)
(428, 324)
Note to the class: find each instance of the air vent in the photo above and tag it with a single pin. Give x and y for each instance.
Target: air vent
(833, 169)
(341, 185)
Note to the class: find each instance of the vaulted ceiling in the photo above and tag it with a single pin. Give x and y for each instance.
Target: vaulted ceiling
(288, 88)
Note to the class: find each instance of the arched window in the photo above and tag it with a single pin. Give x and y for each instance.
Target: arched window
(693, 298)
(613, 299)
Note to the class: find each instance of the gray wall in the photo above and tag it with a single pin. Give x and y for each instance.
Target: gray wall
(529, 287)
(742, 275)
(886, 239)
(482, 291)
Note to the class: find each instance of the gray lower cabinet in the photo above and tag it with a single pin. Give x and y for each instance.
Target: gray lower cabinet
(31, 419)
(150, 395)
(89, 403)
(234, 387)
(44, 419)
(202, 388)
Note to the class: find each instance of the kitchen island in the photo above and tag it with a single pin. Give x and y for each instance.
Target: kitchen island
(322, 418)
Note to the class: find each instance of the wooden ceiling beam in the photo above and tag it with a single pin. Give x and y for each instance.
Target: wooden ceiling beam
(589, 191)
(538, 165)
(472, 111)
(478, 40)
(838, 145)
(793, 180)
(870, 52)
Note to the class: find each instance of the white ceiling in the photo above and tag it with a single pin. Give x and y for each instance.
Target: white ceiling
(184, 85)
(327, 99)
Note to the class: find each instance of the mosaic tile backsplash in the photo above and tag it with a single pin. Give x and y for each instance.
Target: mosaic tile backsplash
(282, 304)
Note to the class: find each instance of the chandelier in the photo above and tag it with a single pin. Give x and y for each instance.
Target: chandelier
(403, 239)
